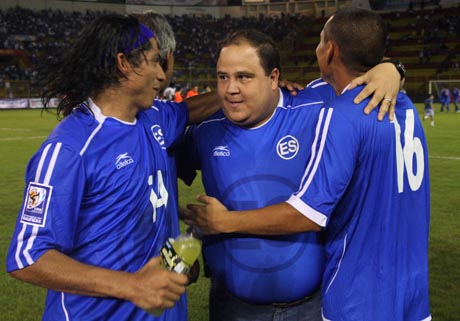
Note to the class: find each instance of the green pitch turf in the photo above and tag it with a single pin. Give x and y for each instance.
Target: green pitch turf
(22, 131)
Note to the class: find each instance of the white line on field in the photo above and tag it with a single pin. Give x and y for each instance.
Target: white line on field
(16, 129)
(21, 138)
(445, 157)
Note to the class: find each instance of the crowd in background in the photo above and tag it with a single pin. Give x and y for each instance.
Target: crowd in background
(37, 35)
(43, 33)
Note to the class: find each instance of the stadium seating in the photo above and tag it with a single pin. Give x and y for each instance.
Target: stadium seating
(427, 41)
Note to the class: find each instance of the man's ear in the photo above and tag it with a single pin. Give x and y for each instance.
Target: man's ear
(274, 78)
(331, 53)
(123, 64)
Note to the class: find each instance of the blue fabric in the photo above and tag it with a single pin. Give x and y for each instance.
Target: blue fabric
(251, 168)
(368, 185)
(110, 203)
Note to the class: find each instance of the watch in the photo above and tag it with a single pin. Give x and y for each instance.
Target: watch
(399, 66)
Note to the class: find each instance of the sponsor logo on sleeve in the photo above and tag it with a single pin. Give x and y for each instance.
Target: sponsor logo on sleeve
(287, 147)
(36, 204)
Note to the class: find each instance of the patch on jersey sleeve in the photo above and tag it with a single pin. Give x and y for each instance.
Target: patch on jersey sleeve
(36, 204)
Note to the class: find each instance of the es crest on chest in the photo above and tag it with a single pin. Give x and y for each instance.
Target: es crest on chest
(287, 147)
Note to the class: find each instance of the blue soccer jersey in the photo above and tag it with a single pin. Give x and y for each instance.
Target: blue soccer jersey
(252, 168)
(367, 183)
(322, 88)
(98, 190)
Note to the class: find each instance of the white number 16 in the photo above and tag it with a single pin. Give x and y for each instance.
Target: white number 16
(404, 155)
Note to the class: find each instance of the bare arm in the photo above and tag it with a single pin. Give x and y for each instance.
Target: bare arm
(202, 106)
(383, 81)
(212, 217)
(150, 287)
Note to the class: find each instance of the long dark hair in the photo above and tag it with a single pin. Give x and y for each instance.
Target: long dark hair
(90, 64)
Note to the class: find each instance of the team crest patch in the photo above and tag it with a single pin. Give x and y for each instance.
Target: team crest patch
(158, 135)
(36, 204)
(287, 147)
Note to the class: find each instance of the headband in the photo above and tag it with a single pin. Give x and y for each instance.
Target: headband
(145, 34)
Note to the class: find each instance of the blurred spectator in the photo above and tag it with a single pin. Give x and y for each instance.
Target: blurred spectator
(206, 89)
(169, 92)
(192, 92)
(178, 95)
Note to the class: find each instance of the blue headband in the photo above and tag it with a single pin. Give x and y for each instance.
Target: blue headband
(145, 34)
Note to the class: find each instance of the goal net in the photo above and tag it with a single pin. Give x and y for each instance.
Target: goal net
(435, 86)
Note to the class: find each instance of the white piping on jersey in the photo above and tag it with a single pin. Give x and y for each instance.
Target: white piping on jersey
(209, 121)
(100, 118)
(35, 228)
(302, 105)
(345, 89)
(19, 246)
(63, 307)
(52, 164)
(155, 107)
(340, 262)
(24, 226)
(307, 211)
(316, 159)
(40, 163)
(90, 138)
(30, 243)
(319, 82)
(322, 315)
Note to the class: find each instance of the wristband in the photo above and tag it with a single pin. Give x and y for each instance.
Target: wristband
(399, 66)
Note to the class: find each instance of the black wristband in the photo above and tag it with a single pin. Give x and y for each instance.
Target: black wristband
(399, 66)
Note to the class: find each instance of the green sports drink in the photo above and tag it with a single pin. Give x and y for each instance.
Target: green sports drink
(179, 255)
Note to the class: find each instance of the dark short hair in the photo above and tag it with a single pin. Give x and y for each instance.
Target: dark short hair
(266, 48)
(361, 36)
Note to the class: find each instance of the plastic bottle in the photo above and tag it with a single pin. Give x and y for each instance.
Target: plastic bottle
(179, 255)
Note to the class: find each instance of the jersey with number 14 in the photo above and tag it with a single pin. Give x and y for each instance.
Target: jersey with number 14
(367, 183)
(99, 190)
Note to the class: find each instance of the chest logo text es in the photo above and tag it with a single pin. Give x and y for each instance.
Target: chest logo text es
(287, 147)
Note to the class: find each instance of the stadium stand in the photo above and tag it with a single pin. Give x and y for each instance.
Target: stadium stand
(427, 41)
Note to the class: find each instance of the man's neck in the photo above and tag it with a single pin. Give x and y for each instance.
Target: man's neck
(342, 80)
(114, 104)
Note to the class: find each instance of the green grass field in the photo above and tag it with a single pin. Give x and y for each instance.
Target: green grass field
(22, 131)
